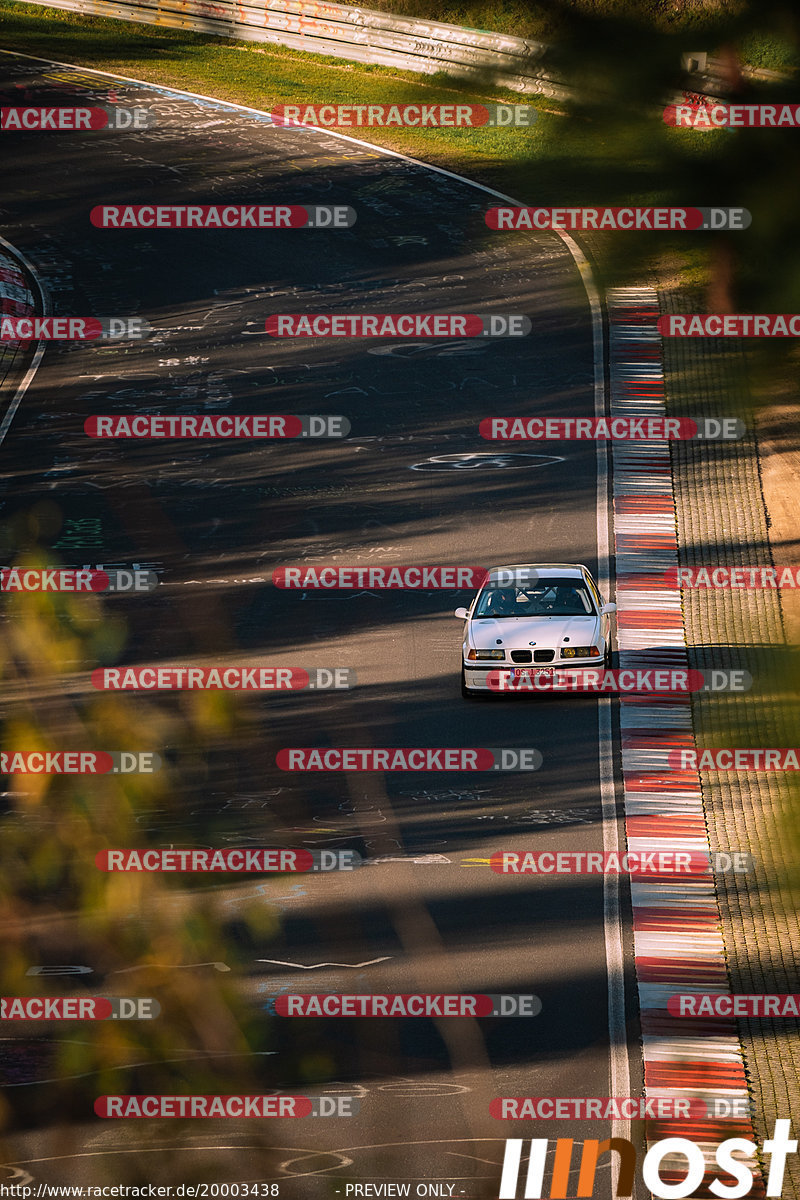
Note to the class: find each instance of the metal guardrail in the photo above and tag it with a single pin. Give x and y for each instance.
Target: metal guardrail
(343, 31)
(378, 38)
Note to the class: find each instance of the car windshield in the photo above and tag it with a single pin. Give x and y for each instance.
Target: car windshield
(553, 598)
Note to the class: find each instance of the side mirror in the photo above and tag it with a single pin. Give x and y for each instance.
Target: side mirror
(609, 608)
(461, 613)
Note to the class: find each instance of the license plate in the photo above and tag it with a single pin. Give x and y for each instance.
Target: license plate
(523, 672)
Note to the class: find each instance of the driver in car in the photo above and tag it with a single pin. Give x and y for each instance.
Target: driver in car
(566, 601)
(502, 603)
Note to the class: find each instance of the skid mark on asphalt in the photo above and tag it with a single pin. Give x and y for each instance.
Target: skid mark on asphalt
(218, 966)
(188, 1056)
(287, 1167)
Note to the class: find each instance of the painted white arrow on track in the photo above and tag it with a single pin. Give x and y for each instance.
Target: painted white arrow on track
(313, 966)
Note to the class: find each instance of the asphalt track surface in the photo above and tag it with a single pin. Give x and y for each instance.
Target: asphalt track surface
(215, 518)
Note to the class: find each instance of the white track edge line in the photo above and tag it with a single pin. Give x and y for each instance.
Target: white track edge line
(27, 379)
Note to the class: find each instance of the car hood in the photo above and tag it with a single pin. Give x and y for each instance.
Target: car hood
(517, 632)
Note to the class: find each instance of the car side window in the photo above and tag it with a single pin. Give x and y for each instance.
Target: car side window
(595, 593)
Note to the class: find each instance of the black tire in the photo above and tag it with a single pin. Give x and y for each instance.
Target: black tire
(608, 660)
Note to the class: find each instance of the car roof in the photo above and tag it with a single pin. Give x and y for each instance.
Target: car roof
(546, 570)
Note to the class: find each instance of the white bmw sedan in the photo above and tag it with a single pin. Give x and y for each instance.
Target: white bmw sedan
(548, 617)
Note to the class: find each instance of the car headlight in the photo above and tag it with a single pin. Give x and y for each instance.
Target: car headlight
(484, 654)
(580, 651)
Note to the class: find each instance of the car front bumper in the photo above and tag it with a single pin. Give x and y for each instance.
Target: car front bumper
(475, 672)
